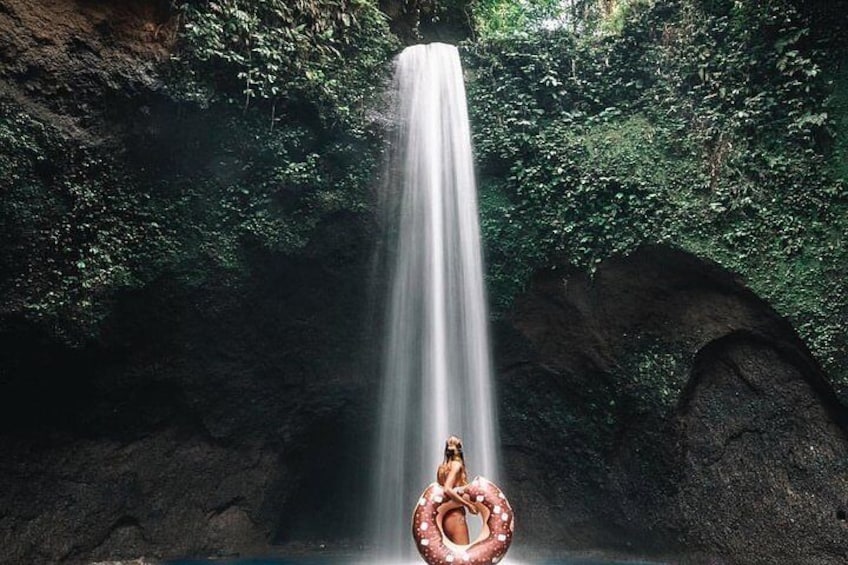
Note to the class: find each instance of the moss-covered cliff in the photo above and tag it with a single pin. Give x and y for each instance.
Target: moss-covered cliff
(183, 273)
(711, 126)
(147, 140)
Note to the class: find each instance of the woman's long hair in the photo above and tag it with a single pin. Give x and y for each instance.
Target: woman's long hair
(453, 452)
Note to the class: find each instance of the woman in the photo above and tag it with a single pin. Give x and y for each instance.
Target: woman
(452, 477)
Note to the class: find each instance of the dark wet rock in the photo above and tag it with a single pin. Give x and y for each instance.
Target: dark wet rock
(425, 21)
(661, 407)
(765, 468)
(69, 63)
(161, 495)
(211, 423)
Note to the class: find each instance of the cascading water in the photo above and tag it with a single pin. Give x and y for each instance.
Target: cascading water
(436, 374)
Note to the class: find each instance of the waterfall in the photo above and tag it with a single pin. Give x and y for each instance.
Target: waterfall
(436, 367)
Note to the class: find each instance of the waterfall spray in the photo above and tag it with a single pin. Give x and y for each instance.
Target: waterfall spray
(436, 367)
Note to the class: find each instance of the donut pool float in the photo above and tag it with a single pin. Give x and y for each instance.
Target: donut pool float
(494, 539)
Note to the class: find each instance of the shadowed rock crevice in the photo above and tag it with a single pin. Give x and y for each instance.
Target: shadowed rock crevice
(762, 454)
(789, 352)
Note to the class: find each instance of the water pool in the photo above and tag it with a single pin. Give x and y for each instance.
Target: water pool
(351, 560)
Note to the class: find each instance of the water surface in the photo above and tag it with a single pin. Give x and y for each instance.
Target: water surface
(355, 561)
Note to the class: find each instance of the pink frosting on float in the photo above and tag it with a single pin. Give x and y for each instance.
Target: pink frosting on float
(493, 542)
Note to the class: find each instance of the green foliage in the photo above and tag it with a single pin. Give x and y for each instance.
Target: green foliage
(82, 224)
(324, 51)
(701, 126)
(269, 189)
(263, 142)
(494, 18)
(71, 233)
(617, 15)
(837, 106)
(653, 375)
(503, 18)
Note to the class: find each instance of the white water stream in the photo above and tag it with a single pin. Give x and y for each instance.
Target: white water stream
(436, 367)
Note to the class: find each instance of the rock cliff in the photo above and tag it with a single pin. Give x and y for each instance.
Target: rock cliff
(661, 406)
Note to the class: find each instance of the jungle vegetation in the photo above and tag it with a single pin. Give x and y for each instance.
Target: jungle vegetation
(715, 126)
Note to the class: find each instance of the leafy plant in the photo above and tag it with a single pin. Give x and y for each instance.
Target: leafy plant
(261, 139)
(699, 125)
(326, 52)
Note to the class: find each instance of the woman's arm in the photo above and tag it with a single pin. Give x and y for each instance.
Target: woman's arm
(450, 481)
